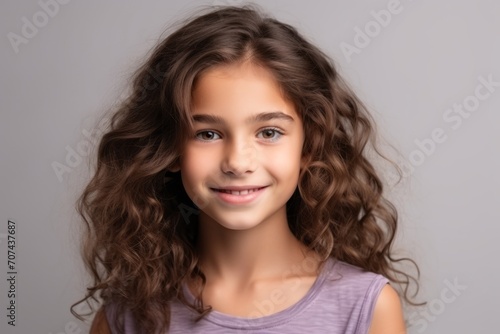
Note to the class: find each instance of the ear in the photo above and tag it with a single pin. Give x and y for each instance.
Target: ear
(175, 167)
(169, 171)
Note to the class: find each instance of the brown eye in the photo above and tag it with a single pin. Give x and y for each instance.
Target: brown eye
(271, 134)
(207, 135)
(268, 133)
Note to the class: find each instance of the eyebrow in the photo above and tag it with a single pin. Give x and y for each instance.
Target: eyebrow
(262, 117)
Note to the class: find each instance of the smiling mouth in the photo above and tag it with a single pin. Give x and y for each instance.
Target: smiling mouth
(238, 192)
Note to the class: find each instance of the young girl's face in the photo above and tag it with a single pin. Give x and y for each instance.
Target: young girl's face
(241, 163)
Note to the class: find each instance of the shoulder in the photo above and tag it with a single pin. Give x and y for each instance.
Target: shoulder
(352, 293)
(388, 314)
(369, 295)
(353, 280)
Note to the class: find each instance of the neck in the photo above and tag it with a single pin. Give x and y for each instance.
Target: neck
(241, 257)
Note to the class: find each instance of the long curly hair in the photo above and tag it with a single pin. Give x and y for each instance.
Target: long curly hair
(139, 242)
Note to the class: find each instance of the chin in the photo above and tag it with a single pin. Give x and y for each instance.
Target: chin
(238, 225)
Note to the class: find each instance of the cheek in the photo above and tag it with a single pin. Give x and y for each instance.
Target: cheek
(196, 163)
(285, 163)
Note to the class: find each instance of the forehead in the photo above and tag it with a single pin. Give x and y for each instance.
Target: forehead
(240, 87)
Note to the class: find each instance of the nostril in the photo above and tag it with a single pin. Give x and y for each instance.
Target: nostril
(239, 158)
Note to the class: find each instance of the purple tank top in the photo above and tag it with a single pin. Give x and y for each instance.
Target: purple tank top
(341, 301)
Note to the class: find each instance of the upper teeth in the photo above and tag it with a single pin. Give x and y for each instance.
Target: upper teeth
(238, 192)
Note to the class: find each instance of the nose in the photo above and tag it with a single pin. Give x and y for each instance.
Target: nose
(239, 158)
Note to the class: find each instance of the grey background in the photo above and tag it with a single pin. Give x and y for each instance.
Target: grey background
(429, 57)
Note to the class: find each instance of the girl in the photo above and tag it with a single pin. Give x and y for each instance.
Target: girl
(233, 193)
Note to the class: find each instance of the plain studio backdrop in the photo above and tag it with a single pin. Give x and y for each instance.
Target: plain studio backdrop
(428, 71)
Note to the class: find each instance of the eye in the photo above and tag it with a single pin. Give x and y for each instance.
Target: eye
(207, 135)
(271, 134)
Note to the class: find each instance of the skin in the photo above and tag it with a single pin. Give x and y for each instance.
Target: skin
(247, 251)
(388, 314)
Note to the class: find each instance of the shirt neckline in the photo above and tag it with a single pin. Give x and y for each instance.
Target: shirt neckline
(275, 319)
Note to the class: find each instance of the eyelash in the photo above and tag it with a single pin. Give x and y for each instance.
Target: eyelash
(275, 130)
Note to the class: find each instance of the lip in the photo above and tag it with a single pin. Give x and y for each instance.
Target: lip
(239, 198)
(238, 188)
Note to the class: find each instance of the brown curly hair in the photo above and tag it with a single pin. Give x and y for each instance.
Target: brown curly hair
(137, 246)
